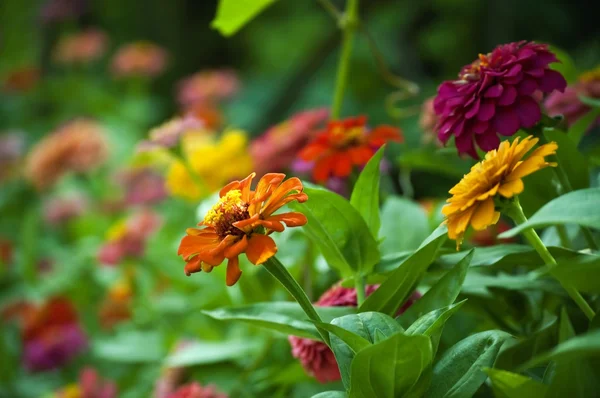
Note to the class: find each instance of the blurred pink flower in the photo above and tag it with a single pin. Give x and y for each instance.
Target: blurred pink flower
(128, 238)
(140, 58)
(51, 335)
(59, 210)
(168, 134)
(427, 121)
(568, 103)
(82, 47)
(496, 95)
(12, 145)
(207, 86)
(316, 358)
(143, 186)
(276, 149)
(89, 385)
(195, 390)
(61, 10)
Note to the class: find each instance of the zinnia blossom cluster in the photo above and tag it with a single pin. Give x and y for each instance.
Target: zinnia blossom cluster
(21, 80)
(195, 390)
(344, 144)
(143, 186)
(51, 335)
(500, 174)
(276, 149)
(116, 306)
(78, 146)
(213, 162)
(317, 359)
(241, 222)
(209, 86)
(568, 104)
(81, 48)
(141, 59)
(60, 210)
(170, 133)
(90, 385)
(128, 238)
(496, 94)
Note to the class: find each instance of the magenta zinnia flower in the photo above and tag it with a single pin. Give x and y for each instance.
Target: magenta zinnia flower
(316, 358)
(495, 95)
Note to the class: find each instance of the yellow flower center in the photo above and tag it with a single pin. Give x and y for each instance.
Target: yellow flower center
(348, 137)
(473, 71)
(228, 210)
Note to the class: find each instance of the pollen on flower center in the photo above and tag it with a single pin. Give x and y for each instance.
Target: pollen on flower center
(348, 137)
(228, 210)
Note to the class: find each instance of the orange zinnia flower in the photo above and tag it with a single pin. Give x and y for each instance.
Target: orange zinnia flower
(241, 222)
(346, 143)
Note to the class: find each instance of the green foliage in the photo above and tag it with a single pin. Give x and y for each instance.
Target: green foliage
(365, 195)
(512, 385)
(404, 225)
(339, 231)
(582, 273)
(232, 15)
(574, 163)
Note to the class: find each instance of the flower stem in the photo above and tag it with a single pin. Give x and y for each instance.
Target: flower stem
(359, 283)
(279, 272)
(349, 24)
(515, 211)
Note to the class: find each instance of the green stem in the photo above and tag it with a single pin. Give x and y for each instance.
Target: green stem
(515, 211)
(349, 24)
(405, 183)
(279, 272)
(359, 282)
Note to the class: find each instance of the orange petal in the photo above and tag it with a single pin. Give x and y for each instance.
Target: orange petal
(245, 187)
(313, 151)
(237, 248)
(229, 187)
(511, 188)
(272, 224)
(260, 248)
(283, 190)
(233, 271)
(382, 134)
(246, 225)
(291, 219)
(360, 155)
(192, 266)
(485, 215)
(322, 169)
(342, 166)
(191, 245)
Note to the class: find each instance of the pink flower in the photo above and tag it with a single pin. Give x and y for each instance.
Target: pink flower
(195, 390)
(427, 121)
(141, 58)
(207, 86)
(276, 149)
(59, 210)
(316, 358)
(495, 95)
(168, 134)
(143, 186)
(90, 385)
(568, 103)
(82, 47)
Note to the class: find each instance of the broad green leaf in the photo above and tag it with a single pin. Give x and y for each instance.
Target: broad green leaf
(582, 273)
(435, 162)
(442, 294)
(459, 372)
(232, 15)
(284, 317)
(206, 352)
(512, 385)
(432, 324)
(540, 188)
(404, 225)
(590, 101)
(391, 367)
(352, 340)
(577, 207)
(366, 327)
(573, 162)
(339, 231)
(331, 394)
(365, 195)
(130, 347)
(475, 281)
(576, 348)
(399, 284)
(581, 126)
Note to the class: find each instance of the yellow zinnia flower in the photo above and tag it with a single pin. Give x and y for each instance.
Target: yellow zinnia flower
(500, 173)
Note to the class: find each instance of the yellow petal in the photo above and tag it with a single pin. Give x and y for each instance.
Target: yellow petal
(529, 166)
(485, 215)
(511, 188)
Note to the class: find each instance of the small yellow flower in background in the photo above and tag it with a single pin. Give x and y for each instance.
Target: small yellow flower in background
(214, 161)
(500, 173)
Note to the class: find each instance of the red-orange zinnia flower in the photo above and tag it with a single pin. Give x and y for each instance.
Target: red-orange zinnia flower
(346, 143)
(241, 222)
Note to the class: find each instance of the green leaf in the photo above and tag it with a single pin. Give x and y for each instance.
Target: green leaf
(365, 195)
(432, 324)
(590, 101)
(577, 348)
(582, 273)
(459, 373)
(365, 326)
(573, 162)
(284, 317)
(232, 15)
(442, 294)
(399, 284)
(577, 207)
(512, 385)
(331, 394)
(436, 162)
(391, 367)
(130, 347)
(582, 125)
(475, 281)
(207, 352)
(339, 231)
(404, 225)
